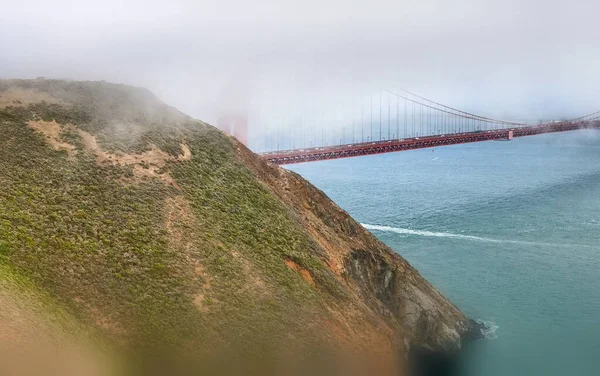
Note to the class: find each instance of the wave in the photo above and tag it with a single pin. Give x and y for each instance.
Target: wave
(488, 330)
(406, 231)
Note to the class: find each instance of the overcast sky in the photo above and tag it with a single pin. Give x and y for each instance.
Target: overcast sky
(503, 58)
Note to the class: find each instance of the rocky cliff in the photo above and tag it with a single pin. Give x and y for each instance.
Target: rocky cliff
(143, 235)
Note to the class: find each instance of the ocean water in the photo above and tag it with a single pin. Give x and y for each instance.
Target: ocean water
(509, 231)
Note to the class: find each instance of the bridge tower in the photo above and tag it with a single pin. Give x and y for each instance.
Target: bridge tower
(233, 105)
(234, 123)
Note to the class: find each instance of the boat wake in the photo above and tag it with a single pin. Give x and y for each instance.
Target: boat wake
(406, 231)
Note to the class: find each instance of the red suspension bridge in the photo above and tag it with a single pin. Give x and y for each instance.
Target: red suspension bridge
(402, 121)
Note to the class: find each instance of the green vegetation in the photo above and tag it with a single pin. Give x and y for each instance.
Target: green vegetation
(153, 264)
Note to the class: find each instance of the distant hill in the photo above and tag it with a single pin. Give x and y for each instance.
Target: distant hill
(145, 241)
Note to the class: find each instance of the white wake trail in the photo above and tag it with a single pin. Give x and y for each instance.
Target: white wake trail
(406, 231)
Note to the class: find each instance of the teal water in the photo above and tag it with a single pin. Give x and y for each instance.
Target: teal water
(509, 231)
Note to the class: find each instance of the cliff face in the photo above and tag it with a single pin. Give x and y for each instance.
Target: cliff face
(158, 234)
(377, 276)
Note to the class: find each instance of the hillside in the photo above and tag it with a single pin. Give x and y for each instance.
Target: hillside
(139, 234)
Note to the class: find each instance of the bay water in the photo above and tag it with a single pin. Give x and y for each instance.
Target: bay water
(509, 231)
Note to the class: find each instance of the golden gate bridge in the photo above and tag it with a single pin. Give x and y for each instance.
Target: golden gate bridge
(406, 121)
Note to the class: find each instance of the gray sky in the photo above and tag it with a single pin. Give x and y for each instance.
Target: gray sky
(503, 58)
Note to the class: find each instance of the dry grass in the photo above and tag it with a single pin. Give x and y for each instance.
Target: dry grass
(52, 130)
(148, 164)
(19, 97)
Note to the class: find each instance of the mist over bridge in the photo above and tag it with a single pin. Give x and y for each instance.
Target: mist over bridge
(389, 121)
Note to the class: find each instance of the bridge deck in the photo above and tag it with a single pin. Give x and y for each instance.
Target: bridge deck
(379, 147)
